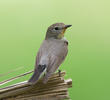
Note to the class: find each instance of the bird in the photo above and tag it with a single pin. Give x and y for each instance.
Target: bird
(51, 54)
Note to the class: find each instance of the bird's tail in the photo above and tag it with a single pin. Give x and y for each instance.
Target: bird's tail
(36, 75)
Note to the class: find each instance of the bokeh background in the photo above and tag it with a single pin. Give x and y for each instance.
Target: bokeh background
(23, 24)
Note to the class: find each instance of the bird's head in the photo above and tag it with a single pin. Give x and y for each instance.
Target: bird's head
(56, 30)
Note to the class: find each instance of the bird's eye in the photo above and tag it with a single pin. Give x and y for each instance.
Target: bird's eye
(56, 28)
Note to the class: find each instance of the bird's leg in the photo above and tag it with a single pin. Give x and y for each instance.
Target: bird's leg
(59, 72)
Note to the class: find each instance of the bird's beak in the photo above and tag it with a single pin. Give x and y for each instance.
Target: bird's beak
(66, 26)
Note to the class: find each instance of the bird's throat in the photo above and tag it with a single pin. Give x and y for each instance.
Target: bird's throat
(61, 35)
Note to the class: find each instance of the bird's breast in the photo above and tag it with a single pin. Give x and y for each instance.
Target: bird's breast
(56, 47)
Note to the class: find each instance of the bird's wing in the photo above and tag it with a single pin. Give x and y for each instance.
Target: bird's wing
(41, 63)
(58, 53)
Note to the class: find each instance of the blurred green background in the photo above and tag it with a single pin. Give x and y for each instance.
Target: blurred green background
(23, 24)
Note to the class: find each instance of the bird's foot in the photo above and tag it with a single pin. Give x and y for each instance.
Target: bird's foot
(59, 72)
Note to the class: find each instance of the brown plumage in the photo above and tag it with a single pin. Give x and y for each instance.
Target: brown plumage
(52, 52)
